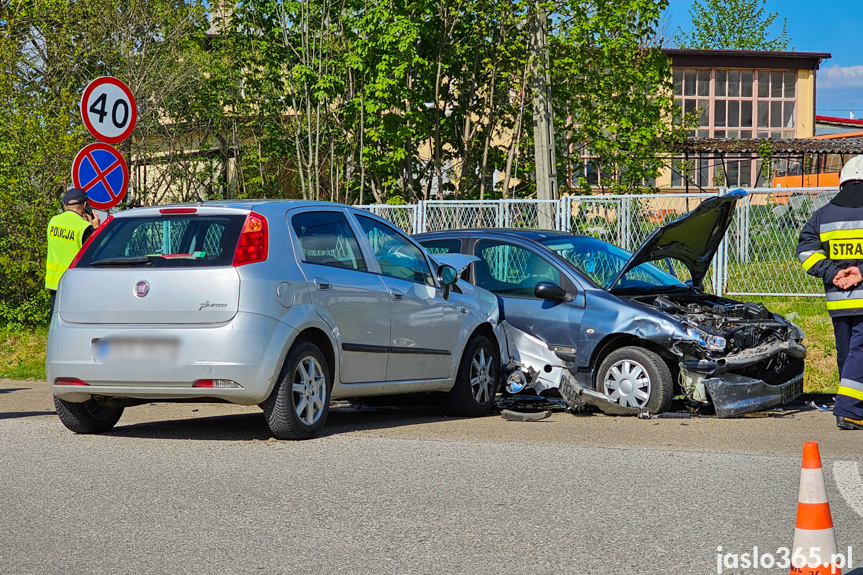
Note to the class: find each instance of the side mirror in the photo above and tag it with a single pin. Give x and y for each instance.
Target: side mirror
(447, 276)
(551, 292)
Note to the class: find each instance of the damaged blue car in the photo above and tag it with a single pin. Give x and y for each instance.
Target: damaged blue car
(610, 328)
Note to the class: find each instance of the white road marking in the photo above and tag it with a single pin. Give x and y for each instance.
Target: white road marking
(850, 484)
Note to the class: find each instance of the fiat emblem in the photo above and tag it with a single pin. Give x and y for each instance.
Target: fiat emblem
(142, 288)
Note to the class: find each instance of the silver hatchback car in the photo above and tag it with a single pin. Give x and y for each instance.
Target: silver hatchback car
(283, 304)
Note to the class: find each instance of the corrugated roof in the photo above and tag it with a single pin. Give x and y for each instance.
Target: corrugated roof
(795, 146)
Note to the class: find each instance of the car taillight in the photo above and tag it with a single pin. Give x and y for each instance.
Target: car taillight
(89, 241)
(253, 242)
(69, 381)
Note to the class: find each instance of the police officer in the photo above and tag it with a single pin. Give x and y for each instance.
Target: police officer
(831, 248)
(67, 232)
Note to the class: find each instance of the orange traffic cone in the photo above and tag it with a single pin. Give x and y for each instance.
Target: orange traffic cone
(814, 539)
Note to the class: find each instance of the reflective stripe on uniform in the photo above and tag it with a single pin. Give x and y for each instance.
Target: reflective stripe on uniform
(843, 295)
(850, 392)
(855, 233)
(844, 299)
(850, 383)
(812, 259)
(840, 226)
(845, 304)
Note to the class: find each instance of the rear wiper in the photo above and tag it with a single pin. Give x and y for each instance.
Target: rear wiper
(122, 262)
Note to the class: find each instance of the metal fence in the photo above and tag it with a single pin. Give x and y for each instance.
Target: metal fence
(757, 256)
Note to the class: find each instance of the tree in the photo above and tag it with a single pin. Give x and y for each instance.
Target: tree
(612, 94)
(732, 25)
(49, 51)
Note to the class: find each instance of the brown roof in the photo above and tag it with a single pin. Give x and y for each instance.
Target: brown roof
(793, 146)
(693, 58)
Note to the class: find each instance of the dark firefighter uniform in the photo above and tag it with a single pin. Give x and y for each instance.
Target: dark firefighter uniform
(832, 240)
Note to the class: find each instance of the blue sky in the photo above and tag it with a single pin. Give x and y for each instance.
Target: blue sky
(832, 26)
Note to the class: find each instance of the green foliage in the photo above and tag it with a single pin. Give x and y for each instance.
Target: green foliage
(612, 91)
(339, 100)
(732, 25)
(49, 51)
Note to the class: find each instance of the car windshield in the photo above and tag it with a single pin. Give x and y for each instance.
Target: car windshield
(601, 262)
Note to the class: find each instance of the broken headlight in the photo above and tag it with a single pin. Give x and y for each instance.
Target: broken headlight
(706, 340)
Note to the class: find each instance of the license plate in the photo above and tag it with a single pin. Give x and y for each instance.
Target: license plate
(792, 390)
(135, 350)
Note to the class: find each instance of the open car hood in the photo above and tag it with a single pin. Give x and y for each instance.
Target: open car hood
(458, 261)
(692, 238)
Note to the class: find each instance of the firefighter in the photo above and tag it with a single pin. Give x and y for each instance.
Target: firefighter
(67, 232)
(831, 248)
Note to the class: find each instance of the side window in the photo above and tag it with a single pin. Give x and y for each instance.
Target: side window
(442, 246)
(509, 270)
(397, 256)
(326, 239)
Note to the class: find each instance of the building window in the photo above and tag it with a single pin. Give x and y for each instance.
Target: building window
(735, 104)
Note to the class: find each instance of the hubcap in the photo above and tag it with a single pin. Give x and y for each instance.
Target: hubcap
(309, 390)
(481, 376)
(628, 384)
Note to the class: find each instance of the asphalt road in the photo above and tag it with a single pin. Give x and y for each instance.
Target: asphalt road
(202, 489)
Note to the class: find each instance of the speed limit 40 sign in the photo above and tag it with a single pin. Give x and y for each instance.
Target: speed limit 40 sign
(109, 110)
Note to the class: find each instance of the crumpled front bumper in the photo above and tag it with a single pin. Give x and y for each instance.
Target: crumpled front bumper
(733, 394)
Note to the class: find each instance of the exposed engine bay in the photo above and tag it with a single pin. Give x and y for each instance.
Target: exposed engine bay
(744, 341)
(742, 324)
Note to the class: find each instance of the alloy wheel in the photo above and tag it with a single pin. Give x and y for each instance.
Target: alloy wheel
(481, 376)
(309, 390)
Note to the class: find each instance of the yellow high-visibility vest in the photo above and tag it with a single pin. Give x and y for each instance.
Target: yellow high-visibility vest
(65, 235)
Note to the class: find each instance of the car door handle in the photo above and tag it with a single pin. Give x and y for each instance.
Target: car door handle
(322, 284)
(397, 295)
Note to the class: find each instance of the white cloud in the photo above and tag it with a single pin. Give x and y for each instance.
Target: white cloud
(840, 77)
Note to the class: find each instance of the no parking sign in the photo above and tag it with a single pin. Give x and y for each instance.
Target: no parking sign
(102, 173)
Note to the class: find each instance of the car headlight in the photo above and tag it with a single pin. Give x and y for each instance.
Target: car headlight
(706, 340)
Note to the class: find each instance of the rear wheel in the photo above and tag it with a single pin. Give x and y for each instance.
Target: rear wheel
(298, 406)
(636, 377)
(477, 378)
(87, 417)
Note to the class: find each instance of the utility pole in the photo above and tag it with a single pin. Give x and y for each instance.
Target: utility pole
(543, 126)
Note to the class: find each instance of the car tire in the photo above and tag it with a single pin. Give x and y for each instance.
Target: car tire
(636, 377)
(87, 417)
(300, 401)
(477, 379)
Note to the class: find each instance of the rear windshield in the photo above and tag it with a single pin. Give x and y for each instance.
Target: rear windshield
(165, 242)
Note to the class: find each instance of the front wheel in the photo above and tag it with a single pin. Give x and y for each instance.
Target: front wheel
(87, 417)
(298, 406)
(477, 378)
(636, 377)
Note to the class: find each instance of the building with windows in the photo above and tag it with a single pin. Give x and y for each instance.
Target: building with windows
(740, 97)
